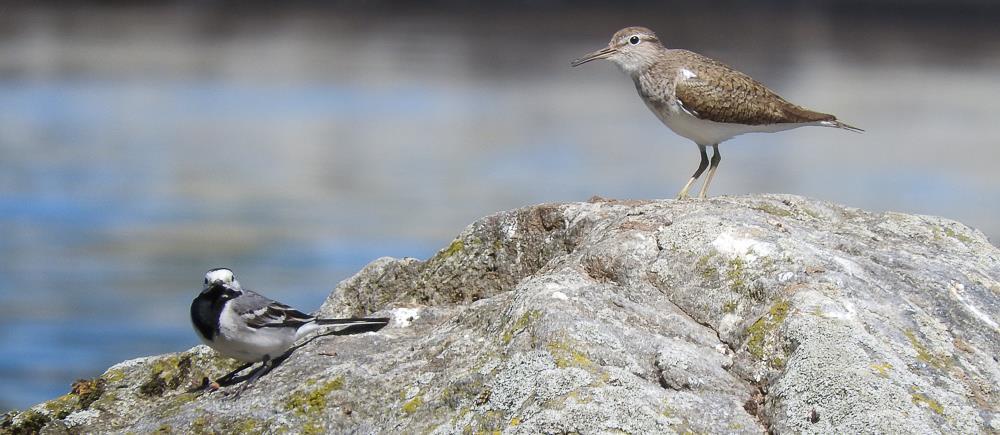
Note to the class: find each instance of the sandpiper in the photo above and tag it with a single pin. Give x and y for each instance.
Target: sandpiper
(700, 98)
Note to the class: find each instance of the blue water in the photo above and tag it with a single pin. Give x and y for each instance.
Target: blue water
(297, 153)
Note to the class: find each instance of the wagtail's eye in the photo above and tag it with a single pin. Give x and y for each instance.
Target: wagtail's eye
(634, 39)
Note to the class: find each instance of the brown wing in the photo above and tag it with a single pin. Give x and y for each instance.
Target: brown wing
(719, 93)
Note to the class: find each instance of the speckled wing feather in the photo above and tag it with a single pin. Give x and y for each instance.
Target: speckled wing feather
(716, 92)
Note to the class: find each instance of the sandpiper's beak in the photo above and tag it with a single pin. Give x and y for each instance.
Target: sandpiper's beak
(599, 54)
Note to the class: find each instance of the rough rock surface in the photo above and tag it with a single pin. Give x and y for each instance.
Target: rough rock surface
(735, 314)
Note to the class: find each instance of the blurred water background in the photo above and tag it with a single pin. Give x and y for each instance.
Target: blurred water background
(143, 144)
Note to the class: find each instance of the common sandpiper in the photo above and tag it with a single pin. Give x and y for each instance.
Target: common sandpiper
(700, 98)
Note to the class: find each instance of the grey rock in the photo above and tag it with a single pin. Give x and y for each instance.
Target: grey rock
(733, 315)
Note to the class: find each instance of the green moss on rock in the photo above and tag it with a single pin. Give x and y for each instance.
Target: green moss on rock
(455, 247)
(413, 404)
(29, 422)
(777, 363)
(933, 405)
(88, 391)
(313, 428)
(772, 210)
(165, 374)
(313, 401)
(924, 354)
(757, 333)
(200, 425)
(744, 281)
(705, 269)
(520, 324)
(114, 376)
(62, 406)
(958, 236)
(882, 369)
(247, 427)
(566, 355)
(779, 311)
(729, 307)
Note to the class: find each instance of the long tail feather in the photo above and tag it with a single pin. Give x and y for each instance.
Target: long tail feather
(358, 328)
(354, 325)
(355, 321)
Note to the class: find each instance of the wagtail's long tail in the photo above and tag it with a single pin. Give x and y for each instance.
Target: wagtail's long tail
(354, 325)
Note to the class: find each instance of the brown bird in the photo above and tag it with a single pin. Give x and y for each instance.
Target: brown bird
(700, 98)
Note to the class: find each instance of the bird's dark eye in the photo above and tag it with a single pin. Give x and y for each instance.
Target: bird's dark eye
(206, 280)
(634, 40)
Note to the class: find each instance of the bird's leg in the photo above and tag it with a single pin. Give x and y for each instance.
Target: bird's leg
(716, 158)
(229, 376)
(264, 368)
(701, 168)
(220, 382)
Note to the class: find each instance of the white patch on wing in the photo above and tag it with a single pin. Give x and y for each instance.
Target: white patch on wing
(251, 315)
(688, 73)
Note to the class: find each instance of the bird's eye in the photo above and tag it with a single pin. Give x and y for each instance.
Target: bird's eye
(206, 280)
(634, 40)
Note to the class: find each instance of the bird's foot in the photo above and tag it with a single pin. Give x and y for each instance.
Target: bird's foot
(233, 395)
(201, 387)
(205, 386)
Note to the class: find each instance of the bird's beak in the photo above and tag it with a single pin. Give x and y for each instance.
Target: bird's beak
(599, 54)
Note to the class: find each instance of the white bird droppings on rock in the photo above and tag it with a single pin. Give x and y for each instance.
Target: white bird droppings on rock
(750, 249)
(956, 289)
(850, 267)
(404, 317)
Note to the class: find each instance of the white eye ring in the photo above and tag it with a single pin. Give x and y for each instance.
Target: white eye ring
(634, 40)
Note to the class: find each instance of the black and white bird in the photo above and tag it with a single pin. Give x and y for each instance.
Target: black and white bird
(249, 327)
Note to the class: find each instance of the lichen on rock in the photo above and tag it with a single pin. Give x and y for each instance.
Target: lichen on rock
(736, 314)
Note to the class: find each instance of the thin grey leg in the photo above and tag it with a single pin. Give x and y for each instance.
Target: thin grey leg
(716, 158)
(701, 168)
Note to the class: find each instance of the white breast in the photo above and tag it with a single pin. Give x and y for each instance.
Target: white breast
(237, 341)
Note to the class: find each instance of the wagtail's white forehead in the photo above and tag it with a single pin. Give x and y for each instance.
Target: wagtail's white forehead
(220, 275)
